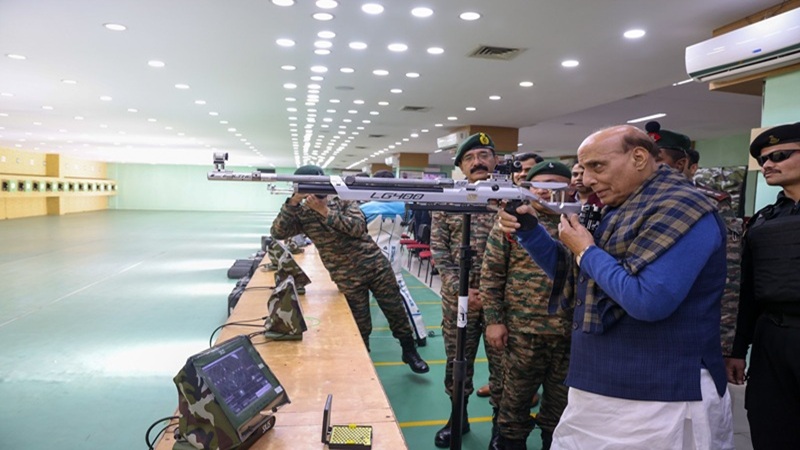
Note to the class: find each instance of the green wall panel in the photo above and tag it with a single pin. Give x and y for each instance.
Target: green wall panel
(185, 188)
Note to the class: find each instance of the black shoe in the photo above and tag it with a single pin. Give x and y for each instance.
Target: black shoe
(442, 439)
(547, 440)
(414, 361)
(512, 444)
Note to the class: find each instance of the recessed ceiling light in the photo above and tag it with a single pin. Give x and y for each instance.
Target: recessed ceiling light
(396, 91)
(283, 2)
(199, 102)
(421, 12)
(223, 122)
(69, 81)
(412, 75)
(115, 26)
(494, 97)
(155, 63)
(358, 102)
(397, 47)
(526, 83)
(7, 94)
(105, 98)
(334, 100)
(346, 70)
(181, 86)
(323, 17)
(650, 117)
(288, 67)
(470, 108)
(358, 45)
(314, 86)
(372, 8)
(149, 120)
(317, 78)
(634, 34)
(290, 86)
(380, 72)
(15, 56)
(133, 110)
(570, 63)
(366, 121)
(383, 103)
(374, 113)
(424, 130)
(435, 50)
(323, 44)
(213, 113)
(283, 42)
(327, 4)
(326, 34)
(469, 16)
(318, 69)
(452, 118)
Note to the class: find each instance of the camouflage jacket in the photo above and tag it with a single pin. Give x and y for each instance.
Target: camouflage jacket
(730, 297)
(515, 291)
(341, 238)
(446, 235)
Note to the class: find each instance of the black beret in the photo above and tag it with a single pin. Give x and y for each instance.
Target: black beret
(668, 139)
(383, 174)
(777, 135)
(309, 170)
(477, 140)
(549, 168)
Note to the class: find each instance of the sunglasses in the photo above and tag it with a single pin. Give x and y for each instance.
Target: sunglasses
(776, 157)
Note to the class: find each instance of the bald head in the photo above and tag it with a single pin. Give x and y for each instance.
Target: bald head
(616, 161)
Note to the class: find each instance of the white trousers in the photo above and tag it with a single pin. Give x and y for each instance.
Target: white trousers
(597, 422)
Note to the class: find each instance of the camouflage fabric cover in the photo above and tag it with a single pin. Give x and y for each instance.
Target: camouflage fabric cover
(284, 316)
(287, 266)
(202, 422)
(274, 251)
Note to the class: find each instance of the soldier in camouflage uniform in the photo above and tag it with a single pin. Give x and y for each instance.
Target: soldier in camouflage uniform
(675, 151)
(476, 159)
(515, 293)
(355, 263)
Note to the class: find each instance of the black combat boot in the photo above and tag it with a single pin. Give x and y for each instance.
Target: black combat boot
(412, 358)
(512, 444)
(547, 439)
(495, 442)
(442, 439)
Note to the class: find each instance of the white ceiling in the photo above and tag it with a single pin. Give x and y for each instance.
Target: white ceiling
(226, 51)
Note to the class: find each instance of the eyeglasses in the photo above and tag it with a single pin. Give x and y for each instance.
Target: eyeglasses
(483, 155)
(776, 157)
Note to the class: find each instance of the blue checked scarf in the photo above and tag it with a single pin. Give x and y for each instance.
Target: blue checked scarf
(636, 233)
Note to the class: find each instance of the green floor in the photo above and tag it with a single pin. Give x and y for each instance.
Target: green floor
(98, 311)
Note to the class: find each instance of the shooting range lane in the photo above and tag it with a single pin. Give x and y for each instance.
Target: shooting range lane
(331, 359)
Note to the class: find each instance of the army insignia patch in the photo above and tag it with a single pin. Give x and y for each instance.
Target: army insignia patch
(484, 139)
(773, 140)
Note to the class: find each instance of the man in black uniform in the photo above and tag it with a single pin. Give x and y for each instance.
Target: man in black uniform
(769, 303)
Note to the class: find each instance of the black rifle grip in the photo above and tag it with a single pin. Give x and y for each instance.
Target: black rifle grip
(527, 222)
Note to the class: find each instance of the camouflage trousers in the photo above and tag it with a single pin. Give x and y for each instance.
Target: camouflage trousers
(531, 361)
(474, 330)
(383, 286)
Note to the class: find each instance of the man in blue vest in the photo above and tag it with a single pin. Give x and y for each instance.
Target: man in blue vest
(646, 368)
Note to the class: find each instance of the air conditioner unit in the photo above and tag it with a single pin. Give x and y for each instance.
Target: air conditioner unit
(759, 47)
(451, 140)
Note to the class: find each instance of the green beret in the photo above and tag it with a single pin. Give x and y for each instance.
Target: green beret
(668, 139)
(309, 170)
(777, 135)
(477, 140)
(549, 168)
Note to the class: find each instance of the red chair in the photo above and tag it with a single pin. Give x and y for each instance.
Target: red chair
(424, 255)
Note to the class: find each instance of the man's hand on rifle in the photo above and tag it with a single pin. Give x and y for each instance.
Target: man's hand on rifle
(508, 222)
(319, 205)
(296, 199)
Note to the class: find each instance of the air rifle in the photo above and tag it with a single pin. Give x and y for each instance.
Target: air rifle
(439, 195)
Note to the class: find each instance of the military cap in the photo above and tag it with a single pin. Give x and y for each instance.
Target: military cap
(477, 140)
(309, 170)
(668, 139)
(777, 135)
(549, 168)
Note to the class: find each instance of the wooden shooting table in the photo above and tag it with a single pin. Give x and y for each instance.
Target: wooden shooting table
(331, 359)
